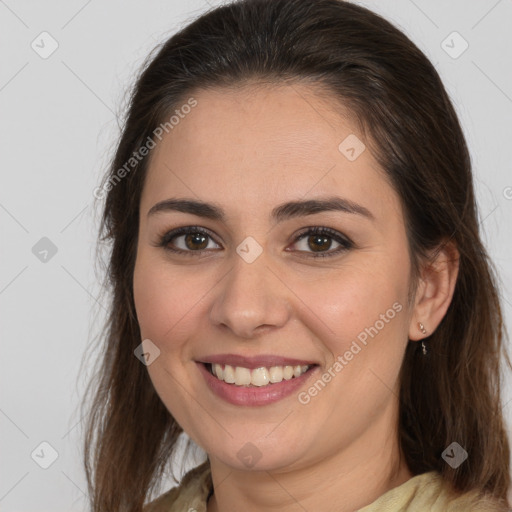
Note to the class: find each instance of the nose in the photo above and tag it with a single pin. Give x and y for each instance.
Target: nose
(251, 299)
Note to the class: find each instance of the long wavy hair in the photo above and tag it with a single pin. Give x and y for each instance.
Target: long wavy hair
(395, 94)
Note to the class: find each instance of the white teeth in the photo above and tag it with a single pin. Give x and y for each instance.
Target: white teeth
(241, 376)
(288, 372)
(219, 371)
(276, 374)
(260, 377)
(229, 373)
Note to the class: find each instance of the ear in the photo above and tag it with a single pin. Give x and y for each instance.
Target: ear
(434, 292)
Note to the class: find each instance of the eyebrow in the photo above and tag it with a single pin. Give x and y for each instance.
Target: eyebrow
(285, 211)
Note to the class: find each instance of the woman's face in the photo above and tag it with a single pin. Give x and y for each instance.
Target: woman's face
(248, 290)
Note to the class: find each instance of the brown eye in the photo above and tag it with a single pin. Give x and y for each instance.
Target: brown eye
(317, 241)
(196, 241)
(189, 239)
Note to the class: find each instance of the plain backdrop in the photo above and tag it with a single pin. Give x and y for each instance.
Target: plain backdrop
(65, 70)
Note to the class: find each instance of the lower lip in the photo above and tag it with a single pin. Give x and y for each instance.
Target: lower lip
(254, 395)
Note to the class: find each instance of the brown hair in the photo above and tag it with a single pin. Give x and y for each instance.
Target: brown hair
(394, 92)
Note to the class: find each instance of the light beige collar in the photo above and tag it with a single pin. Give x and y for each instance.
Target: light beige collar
(422, 493)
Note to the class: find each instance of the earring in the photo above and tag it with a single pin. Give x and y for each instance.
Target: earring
(423, 331)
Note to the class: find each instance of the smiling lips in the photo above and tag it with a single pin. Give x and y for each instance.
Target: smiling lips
(254, 381)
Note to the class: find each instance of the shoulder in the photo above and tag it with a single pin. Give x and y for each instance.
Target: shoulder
(430, 491)
(191, 493)
(473, 501)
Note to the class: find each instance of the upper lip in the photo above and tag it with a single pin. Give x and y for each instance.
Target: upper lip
(253, 362)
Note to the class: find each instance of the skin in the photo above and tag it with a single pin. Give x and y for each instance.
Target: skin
(249, 150)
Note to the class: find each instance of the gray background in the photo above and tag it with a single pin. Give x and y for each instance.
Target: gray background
(58, 127)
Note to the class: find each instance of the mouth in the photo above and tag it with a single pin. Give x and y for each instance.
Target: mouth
(255, 381)
(256, 377)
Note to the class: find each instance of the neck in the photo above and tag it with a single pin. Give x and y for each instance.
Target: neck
(343, 482)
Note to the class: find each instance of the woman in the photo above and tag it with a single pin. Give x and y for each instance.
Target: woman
(298, 279)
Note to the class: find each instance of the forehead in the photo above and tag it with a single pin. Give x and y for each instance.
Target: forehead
(256, 146)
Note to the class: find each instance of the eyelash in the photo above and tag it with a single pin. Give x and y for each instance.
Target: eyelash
(344, 241)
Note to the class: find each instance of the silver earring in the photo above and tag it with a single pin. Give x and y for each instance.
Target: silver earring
(423, 331)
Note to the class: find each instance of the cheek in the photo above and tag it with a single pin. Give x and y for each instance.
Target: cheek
(161, 299)
(350, 301)
(171, 302)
